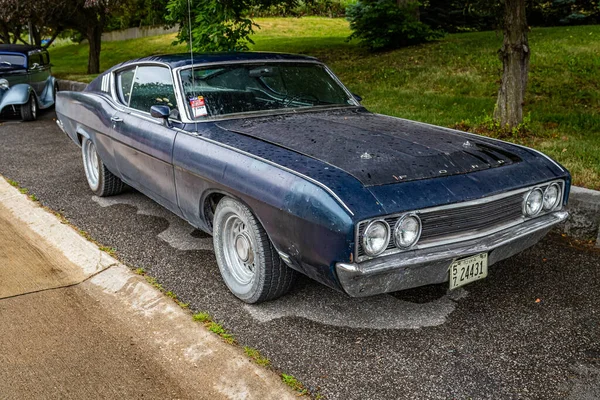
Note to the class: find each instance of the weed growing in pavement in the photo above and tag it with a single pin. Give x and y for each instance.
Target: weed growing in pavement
(110, 250)
(214, 327)
(33, 197)
(257, 357)
(12, 183)
(86, 235)
(154, 282)
(23, 190)
(62, 218)
(294, 384)
(201, 317)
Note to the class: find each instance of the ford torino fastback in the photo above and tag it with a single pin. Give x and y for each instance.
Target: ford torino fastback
(277, 159)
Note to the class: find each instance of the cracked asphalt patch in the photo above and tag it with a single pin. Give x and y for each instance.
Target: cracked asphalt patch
(495, 342)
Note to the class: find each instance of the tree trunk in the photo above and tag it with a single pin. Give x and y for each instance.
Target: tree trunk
(515, 59)
(94, 37)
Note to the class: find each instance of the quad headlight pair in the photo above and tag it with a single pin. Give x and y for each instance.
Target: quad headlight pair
(377, 235)
(4, 84)
(539, 199)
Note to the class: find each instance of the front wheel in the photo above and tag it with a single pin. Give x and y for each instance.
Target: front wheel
(29, 109)
(249, 264)
(102, 182)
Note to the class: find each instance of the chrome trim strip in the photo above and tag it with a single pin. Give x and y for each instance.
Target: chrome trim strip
(291, 171)
(464, 235)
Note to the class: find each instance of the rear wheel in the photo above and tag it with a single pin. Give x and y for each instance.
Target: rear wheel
(102, 182)
(249, 264)
(29, 109)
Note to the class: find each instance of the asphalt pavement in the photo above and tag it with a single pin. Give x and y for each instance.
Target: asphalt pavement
(531, 330)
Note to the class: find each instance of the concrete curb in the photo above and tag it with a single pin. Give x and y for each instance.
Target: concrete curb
(584, 219)
(71, 86)
(210, 368)
(584, 204)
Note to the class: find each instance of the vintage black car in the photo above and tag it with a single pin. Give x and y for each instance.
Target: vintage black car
(275, 158)
(26, 82)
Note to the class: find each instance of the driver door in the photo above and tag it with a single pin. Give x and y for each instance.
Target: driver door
(143, 145)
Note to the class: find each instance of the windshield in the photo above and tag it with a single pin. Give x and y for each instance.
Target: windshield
(12, 61)
(240, 88)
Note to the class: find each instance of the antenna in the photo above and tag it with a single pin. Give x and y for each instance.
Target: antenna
(189, 2)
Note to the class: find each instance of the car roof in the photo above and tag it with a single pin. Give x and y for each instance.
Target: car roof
(19, 48)
(185, 59)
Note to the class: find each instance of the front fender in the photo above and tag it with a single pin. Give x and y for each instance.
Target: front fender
(15, 96)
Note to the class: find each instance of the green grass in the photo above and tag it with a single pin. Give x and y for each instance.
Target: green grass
(452, 82)
(294, 384)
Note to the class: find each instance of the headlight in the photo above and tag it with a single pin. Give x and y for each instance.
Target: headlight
(407, 231)
(551, 196)
(4, 84)
(533, 202)
(376, 237)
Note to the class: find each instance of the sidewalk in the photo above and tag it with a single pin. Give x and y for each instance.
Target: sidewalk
(74, 323)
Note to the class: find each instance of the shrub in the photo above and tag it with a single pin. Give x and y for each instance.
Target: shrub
(383, 24)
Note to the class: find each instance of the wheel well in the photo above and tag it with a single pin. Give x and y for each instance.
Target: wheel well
(210, 206)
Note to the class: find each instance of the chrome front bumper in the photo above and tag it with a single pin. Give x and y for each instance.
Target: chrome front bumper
(428, 266)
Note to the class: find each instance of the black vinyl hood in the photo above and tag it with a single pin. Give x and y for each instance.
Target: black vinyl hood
(376, 149)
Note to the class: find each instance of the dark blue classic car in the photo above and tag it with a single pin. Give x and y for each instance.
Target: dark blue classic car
(26, 83)
(275, 158)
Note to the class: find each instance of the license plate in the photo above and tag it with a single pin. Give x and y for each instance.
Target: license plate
(468, 270)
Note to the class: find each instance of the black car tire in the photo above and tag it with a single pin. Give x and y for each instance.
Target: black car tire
(259, 274)
(29, 109)
(100, 180)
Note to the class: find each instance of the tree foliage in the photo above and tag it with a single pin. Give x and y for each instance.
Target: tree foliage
(217, 25)
(43, 16)
(384, 24)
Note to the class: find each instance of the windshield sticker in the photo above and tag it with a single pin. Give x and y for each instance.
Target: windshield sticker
(198, 107)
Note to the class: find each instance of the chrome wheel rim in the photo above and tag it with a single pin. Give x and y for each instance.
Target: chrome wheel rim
(91, 164)
(238, 249)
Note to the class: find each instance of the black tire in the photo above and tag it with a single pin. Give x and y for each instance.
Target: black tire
(266, 276)
(100, 180)
(29, 109)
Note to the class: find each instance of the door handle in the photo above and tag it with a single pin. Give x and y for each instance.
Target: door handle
(114, 118)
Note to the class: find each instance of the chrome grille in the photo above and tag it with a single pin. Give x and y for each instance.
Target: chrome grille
(479, 217)
(460, 221)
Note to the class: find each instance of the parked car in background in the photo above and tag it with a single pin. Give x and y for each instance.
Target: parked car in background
(26, 81)
(275, 158)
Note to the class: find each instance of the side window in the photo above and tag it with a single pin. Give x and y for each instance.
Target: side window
(124, 82)
(152, 86)
(34, 59)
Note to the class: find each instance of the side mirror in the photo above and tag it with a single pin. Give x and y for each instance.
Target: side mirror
(357, 97)
(161, 112)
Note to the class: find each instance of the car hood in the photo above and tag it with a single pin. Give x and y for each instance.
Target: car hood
(377, 149)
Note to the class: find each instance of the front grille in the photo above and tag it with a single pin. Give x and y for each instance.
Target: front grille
(457, 222)
(478, 217)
